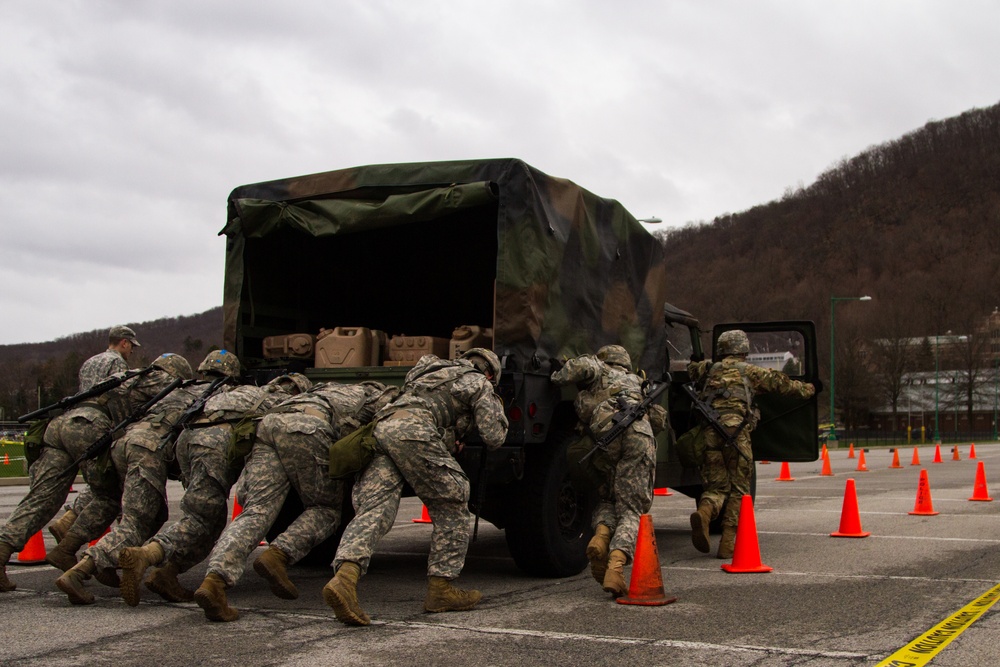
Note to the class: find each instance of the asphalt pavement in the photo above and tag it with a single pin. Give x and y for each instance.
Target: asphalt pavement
(828, 601)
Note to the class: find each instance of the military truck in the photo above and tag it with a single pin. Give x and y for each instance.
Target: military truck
(404, 253)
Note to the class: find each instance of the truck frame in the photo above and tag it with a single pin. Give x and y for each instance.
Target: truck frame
(422, 248)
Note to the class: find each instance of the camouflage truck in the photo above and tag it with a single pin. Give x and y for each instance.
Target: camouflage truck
(422, 249)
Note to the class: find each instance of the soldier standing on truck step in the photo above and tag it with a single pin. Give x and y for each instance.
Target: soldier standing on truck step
(606, 385)
(729, 386)
(442, 402)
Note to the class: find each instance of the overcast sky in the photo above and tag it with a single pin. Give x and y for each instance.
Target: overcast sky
(125, 125)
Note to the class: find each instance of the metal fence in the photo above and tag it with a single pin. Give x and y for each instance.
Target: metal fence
(915, 437)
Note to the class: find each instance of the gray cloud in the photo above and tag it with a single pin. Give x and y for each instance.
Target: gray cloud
(125, 125)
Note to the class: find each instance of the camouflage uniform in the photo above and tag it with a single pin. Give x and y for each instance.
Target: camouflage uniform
(729, 386)
(208, 475)
(142, 464)
(291, 451)
(628, 489)
(66, 439)
(101, 366)
(416, 436)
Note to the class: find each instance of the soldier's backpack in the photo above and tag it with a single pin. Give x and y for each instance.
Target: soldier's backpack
(352, 453)
(691, 446)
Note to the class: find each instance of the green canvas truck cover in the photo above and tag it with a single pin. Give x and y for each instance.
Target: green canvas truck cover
(420, 248)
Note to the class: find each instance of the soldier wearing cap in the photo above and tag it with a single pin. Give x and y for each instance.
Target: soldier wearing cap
(605, 381)
(729, 386)
(121, 341)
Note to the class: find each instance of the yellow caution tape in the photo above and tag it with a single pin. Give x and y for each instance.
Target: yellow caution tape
(926, 646)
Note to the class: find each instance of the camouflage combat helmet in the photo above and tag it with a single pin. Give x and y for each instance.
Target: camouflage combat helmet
(175, 365)
(221, 362)
(379, 395)
(615, 354)
(293, 383)
(734, 341)
(485, 361)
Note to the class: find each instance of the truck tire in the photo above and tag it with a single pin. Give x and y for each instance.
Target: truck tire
(322, 554)
(548, 520)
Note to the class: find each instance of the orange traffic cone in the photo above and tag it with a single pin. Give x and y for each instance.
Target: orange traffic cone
(646, 585)
(424, 516)
(825, 452)
(33, 552)
(746, 552)
(895, 459)
(237, 508)
(826, 465)
(954, 454)
(764, 463)
(786, 474)
(972, 450)
(662, 492)
(937, 453)
(862, 466)
(850, 518)
(979, 491)
(850, 452)
(916, 458)
(923, 506)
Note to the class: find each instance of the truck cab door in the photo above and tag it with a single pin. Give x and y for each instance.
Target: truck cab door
(789, 427)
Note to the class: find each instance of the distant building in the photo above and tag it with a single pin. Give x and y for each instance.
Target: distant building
(776, 361)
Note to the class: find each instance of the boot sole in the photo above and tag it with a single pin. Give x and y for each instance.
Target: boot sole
(212, 612)
(280, 586)
(699, 533)
(341, 608)
(132, 570)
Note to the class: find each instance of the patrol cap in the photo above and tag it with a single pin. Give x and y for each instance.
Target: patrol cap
(121, 331)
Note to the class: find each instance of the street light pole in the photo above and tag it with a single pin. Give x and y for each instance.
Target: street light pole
(996, 394)
(937, 356)
(832, 437)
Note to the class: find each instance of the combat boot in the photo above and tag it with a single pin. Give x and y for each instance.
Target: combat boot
(61, 526)
(163, 581)
(271, 565)
(597, 552)
(71, 582)
(728, 542)
(134, 561)
(699, 527)
(442, 596)
(63, 555)
(614, 578)
(211, 596)
(6, 585)
(341, 594)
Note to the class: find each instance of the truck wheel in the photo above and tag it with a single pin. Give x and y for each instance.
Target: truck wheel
(548, 520)
(322, 554)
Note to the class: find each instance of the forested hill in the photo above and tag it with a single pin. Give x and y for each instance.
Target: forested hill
(914, 223)
(50, 368)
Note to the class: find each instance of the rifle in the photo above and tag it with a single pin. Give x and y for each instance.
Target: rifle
(626, 415)
(96, 390)
(192, 411)
(713, 417)
(100, 445)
